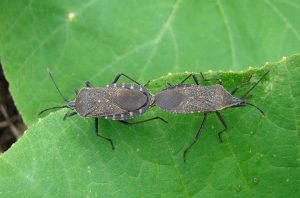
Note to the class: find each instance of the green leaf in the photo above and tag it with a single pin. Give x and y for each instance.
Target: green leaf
(94, 40)
(259, 156)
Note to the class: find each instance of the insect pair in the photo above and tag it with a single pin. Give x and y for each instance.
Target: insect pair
(125, 101)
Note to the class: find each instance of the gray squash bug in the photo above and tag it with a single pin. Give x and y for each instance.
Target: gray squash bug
(114, 102)
(190, 98)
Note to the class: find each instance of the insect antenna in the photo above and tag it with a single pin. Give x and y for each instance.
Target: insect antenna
(65, 99)
(246, 94)
(253, 105)
(59, 107)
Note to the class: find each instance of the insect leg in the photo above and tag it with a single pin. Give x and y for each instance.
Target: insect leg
(69, 114)
(101, 136)
(147, 83)
(196, 137)
(247, 93)
(223, 123)
(219, 81)
(142, 121)
(241, 85)
(88, 84)
(76, 91)
(189, 76)
(122, 74)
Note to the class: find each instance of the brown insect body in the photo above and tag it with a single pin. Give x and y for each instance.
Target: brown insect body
(189, 98)
(115, 101)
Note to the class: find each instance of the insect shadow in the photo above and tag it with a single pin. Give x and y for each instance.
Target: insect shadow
(116, 101)
(189, 98)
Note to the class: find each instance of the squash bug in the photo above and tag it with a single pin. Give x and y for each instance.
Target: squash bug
(114, 102)
(190, 98)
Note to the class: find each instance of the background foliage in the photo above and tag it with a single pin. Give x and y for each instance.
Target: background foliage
(94, 40)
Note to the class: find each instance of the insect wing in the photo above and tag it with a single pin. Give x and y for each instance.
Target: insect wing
(184, 99)
(127, 99)
(95, 102)
(98, 102)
